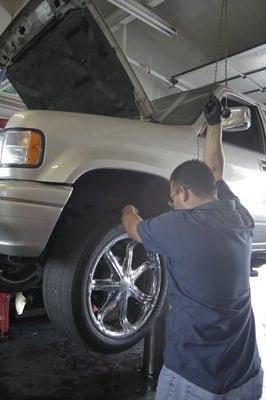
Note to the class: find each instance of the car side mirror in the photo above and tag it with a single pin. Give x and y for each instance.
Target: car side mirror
(239, 120)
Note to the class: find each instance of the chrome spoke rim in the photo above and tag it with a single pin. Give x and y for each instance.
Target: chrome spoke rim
(113, 263)
(141, 297)
(108, 307)
(107, 285)
(123, 308)
(129, 294)
(142, 269)
(127, 264)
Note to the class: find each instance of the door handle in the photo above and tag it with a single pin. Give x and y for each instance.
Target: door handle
(262, 165)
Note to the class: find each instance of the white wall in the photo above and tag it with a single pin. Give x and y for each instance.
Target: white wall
(8, 8)
(5, 15)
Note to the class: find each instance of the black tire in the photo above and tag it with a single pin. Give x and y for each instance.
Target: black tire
(70, 268)
(13, 283)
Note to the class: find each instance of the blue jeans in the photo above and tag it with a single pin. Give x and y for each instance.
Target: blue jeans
(172, 386)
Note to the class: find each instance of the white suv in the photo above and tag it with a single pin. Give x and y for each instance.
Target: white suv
(90, 143)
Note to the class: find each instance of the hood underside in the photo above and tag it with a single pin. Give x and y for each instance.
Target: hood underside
(67, 60)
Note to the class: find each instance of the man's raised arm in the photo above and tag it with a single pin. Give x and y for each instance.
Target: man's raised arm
(213, 153)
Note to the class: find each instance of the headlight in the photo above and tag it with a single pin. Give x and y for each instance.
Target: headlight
(22, 148)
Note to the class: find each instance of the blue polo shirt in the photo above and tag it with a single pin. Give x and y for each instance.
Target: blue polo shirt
(210, 330)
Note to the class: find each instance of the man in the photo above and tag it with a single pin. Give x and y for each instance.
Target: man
(211, 350)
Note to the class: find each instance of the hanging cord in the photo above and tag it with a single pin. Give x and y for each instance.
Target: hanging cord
(210, 104)
(218, 44)
(226, 112)
(225, 48)
(222, 23)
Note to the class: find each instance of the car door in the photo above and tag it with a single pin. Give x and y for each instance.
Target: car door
(245, 167)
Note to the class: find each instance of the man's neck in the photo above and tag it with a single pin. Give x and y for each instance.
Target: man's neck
(199, 201)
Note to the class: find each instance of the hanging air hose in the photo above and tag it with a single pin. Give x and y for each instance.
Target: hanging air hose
(222, 28)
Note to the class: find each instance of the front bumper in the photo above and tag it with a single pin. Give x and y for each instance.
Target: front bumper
(28, 214)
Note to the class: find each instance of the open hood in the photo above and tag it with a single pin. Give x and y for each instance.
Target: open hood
(60, 55)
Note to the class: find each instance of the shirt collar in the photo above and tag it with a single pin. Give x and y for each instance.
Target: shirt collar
(217, 204)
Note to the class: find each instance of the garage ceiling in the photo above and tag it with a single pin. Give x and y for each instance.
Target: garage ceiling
(168, 64)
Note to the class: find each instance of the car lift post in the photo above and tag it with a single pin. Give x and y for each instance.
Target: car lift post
(154, 345)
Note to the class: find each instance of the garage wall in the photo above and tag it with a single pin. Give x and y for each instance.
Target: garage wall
(8, 8)
(5, 15)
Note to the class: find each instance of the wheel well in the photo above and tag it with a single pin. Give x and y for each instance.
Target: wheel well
(103, 193)
(109, 190)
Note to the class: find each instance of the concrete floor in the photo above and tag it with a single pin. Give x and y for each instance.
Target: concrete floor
(38, 364)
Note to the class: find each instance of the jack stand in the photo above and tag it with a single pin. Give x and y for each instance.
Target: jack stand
(154, 345)
(4, 314)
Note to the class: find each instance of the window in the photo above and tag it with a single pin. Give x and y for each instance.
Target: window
(252, 138)
(181, 108)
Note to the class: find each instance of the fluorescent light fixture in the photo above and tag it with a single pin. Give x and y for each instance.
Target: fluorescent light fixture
(145, 15)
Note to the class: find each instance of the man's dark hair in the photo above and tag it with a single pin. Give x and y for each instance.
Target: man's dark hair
(196, 176)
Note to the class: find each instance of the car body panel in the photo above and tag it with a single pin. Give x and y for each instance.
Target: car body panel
(29, 212)
(77, 143)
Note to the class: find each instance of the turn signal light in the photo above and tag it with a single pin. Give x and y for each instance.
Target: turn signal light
(22, 147)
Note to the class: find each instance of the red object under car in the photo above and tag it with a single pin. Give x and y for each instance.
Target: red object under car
(3, 122)
(4, 313)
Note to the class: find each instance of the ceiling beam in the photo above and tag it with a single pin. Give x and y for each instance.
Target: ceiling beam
(180, 84)
(119, 17)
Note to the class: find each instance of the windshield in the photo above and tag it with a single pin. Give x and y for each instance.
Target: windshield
(181, 108)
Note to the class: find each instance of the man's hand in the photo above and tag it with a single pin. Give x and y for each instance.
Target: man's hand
(130, 209)
(130, 220)
(213, 111)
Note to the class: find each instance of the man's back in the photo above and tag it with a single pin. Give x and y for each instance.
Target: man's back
(210, 321)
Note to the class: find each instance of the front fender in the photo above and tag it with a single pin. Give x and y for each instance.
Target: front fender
(77, 143)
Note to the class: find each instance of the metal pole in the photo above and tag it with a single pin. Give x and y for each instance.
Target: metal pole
(154, 345)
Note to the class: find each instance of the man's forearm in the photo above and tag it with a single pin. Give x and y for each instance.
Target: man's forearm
(130, 220)
(213, 153)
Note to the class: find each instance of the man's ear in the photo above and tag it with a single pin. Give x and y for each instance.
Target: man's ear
(184, 193)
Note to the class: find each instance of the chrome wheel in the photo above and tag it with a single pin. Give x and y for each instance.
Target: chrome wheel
(123, 287)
